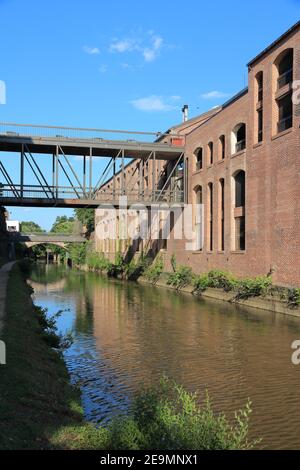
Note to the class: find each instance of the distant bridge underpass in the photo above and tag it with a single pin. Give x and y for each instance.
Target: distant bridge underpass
(32, 239)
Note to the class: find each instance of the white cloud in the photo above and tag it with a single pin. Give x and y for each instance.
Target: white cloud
(91, 50)
(148, 48)
(214, 94)
(150, 53)
(124, 45)
(154, 103)
(103, 68)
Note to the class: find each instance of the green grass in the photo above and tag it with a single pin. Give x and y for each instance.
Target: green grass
(35, 395)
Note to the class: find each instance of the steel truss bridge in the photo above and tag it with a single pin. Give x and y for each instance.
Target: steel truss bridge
(25, 144)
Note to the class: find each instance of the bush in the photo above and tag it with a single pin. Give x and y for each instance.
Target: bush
(97, 261)
(49, 329)
(153, 272)
(293, 298)
(78, 252)
(168, 417)
(252, 287)
(134, 269)
(222, 280)
(201, 283)
(182, 277)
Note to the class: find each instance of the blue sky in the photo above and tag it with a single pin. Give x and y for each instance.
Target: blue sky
(127, 64)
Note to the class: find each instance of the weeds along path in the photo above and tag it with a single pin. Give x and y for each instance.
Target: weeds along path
(4, 275)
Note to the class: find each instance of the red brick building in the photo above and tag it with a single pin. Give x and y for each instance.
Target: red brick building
(243, 165)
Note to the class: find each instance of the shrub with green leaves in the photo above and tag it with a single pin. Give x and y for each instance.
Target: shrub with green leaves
(293, 297)
(97, 261)
(153, 272)
(49, 329)
(168, 417)
(182, 277)
(134, 269)
(252, 287)
(222, 280)
(201, 283)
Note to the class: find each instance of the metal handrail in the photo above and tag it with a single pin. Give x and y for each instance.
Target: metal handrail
(41, 130)
(61, 192)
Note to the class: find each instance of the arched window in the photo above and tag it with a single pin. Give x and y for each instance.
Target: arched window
(210, 153)
(238, 138)
(283, 67)
(199, 158)
(222, 147)
(239, 210)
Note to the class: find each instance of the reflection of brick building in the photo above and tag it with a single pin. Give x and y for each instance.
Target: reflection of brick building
(243, 165)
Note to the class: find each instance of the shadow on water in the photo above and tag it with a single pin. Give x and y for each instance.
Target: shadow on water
(128, 335)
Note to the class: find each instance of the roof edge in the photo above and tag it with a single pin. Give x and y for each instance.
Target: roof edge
(274, 43)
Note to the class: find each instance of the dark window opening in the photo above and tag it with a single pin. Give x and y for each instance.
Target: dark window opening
(240, 239)
(198, 219)
(285, 113)
(240, 138)
(222, 214)
(260, 125)
(222, 147)
(199, 159)
(285, 69)
(259, 80)
(210, 187)
(240, 189)
(211, 152)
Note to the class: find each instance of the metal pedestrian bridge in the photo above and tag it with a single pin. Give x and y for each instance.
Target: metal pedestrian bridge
(55, 166)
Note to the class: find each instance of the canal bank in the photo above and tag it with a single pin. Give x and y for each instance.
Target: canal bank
(36, 397)
(257, 293)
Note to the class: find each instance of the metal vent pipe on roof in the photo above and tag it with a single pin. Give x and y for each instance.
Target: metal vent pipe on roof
(185, 113)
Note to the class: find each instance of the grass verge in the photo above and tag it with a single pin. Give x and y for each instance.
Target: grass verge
(36, 398)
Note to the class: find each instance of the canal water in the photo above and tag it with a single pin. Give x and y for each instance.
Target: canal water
(128, 335)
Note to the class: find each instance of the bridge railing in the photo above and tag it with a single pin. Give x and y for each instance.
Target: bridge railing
(11, 129)
(102, 196)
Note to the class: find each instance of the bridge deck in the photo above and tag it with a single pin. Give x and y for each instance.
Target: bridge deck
(79, 141)
(45, 237)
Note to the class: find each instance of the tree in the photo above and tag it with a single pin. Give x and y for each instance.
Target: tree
(87, 218)
(30, 227)
(63, 224)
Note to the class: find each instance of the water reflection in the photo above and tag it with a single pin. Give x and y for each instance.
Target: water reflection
(127, 336)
